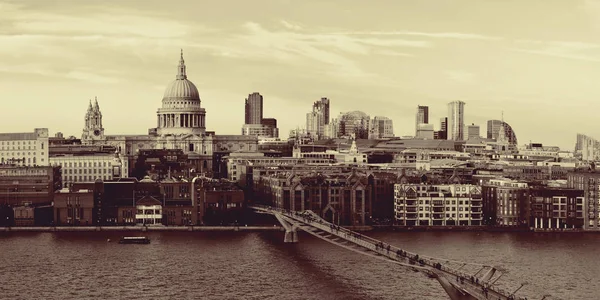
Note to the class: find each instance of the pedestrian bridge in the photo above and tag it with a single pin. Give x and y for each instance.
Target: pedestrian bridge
(460, 280)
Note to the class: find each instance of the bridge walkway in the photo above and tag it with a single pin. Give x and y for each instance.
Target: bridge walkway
(478, 285)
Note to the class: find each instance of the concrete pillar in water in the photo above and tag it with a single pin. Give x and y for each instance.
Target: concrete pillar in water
(291, 236)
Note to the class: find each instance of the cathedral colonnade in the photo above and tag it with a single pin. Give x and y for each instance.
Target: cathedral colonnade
(182, 120)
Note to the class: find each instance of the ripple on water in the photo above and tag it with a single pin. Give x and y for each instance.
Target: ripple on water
(260, 266)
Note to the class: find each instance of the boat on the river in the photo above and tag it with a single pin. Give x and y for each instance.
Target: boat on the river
(134, 240)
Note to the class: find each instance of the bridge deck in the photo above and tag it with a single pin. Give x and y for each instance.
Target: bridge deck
(467, 284)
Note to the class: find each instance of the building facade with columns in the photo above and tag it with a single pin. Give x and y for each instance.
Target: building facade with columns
(181, 124)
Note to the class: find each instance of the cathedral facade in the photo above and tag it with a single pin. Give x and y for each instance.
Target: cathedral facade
(181, 124)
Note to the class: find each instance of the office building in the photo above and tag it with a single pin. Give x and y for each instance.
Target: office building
(422, 117)
(318, 119)
(473, 131)
(456, 121)
(254, 109)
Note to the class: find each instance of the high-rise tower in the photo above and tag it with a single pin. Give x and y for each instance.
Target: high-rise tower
(254, 109)
(318, 118)
(422, 117)
(456, 121)
(254, 123)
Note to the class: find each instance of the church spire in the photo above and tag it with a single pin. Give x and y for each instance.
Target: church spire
(181, 68)
(96, 107)
(90, 106)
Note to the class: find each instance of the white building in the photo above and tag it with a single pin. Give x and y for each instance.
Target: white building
(149, 212)
(438, 205)
(425, 131)
(25, 149)
(89, 168)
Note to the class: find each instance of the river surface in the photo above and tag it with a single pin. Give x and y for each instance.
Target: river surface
(258, 265)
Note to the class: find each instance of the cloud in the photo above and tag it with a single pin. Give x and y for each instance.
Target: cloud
(290, 26)
(574, 50)
(336, 52)
(392, 53)
(559, 55)
(446, 35)
(47, 71)
(461, 76)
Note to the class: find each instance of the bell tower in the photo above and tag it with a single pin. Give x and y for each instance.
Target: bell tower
(93, 129)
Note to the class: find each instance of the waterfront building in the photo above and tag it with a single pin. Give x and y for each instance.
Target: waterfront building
(589, 182)
(74, 207)
(505, 203)
(28, 185)
(437, 205)
(556, 208)
(84, 166)
(179, 206)
(180, 125)
(26, 194)
(149, 211)
(25, 149)
(220, 202)
(340, 198)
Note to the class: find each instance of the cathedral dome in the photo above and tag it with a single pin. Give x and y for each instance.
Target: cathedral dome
(181, 88)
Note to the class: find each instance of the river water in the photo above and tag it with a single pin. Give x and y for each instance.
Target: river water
(258, 265)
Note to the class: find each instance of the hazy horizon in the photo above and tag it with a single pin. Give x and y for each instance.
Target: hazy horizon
(533, 60)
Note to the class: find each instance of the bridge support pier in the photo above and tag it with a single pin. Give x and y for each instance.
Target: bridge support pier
(291, 236)
(291, 230)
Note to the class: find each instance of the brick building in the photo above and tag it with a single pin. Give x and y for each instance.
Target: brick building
(74, 207)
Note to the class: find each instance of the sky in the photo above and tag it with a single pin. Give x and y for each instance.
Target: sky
(537, 62)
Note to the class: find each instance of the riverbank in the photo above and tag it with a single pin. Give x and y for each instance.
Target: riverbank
(387, 228)
(139, 228)
(375, 228)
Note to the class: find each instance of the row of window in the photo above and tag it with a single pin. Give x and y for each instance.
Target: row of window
(428, 215)
(29, 142)
(85, 171)
(440, 202)
(19, 153)
(83, 164)
(23, 160)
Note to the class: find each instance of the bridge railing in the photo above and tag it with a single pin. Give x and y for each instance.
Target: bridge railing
(381, 248)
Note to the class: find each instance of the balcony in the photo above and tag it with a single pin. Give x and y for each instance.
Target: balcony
(411, 216)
